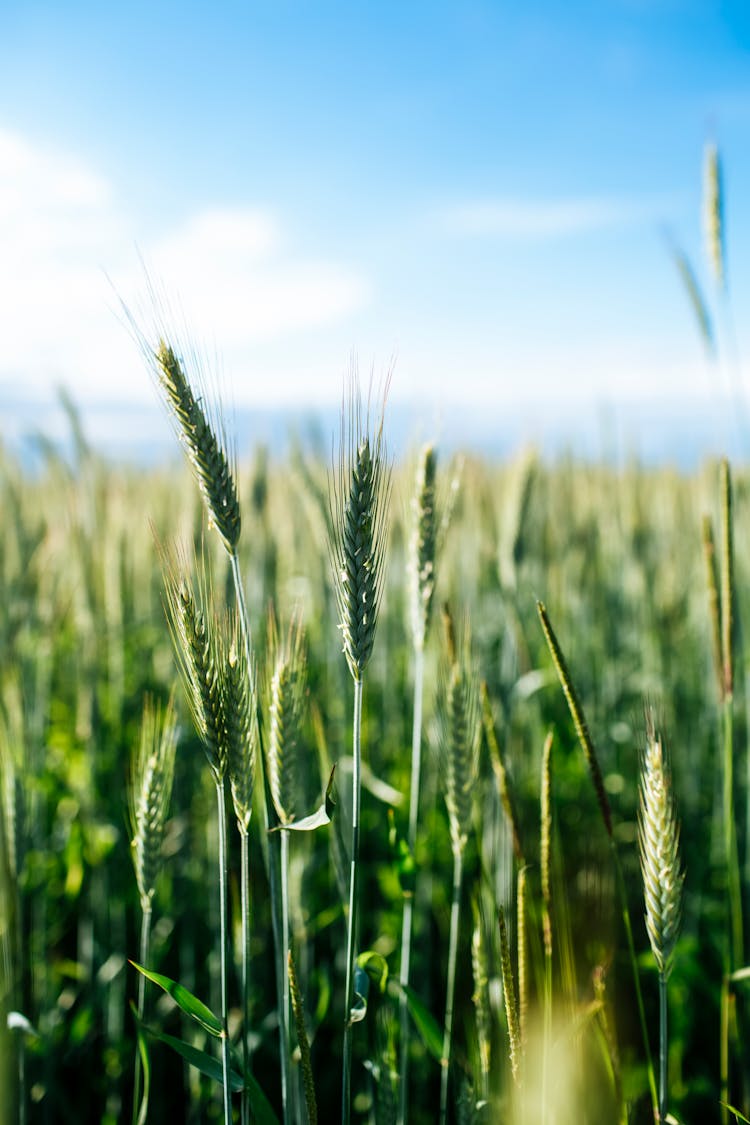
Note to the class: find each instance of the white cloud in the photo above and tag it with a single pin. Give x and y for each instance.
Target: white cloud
(552, 218)
(63, 232)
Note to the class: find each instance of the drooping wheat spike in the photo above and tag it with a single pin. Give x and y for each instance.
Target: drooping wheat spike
(422, 547)
(480, 997)
(149, 794)
(238, 689)
(196, 644)
(509, 997)
(286, 707)
(713, 214)
(204, 441)
(579, 719)
(359, 497)
(659, 846)
(501, 774)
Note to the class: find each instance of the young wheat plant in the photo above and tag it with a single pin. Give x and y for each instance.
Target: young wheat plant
(359, 496)
(423, 546)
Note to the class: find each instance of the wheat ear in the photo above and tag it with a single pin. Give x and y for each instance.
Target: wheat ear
(480, 997)
(661, 868)
(359, 495)
(509, 996)
(422, 546)
(713, 214)
(196, 644)
(204, 442)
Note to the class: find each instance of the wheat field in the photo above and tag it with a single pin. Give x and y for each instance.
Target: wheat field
(551, 623)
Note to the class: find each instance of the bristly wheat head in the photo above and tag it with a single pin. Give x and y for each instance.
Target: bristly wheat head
(286, 706)
(480, 997)
(423, 545)
(546, 843)
(238, 698)
(205, 444)
(459, 731)
(149, 792)
(713, 214)
(509, 996)
(359, 498)
(197, 648)
(659, 840)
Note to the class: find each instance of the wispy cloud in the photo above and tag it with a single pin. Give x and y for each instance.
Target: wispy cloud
(544, 219)
(63, 229)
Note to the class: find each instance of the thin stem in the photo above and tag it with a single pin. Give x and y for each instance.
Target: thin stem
(223, 916)
(662, 1048)
(406, 929)
(245, 900)
(451, 987)
(736, 947)
(636, 977)
(289, 1114)
(143, 956)
(352, 924)
(270, 820)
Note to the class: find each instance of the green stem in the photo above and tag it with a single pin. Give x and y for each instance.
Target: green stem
(270, 820)
(736, 949)
(406, 929)
(662, 1048)
(451, 987)
(245, 907)
(223, 916)
(352, 924)
(143, 957)
(289, 1106)
(636, 978)
(547, 1040)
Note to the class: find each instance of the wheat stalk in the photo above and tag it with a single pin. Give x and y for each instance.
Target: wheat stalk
(458, 754)
(286, 705)
(359, 496)
(423, 549)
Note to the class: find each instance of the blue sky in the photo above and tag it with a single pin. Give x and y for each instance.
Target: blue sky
(476, 189)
